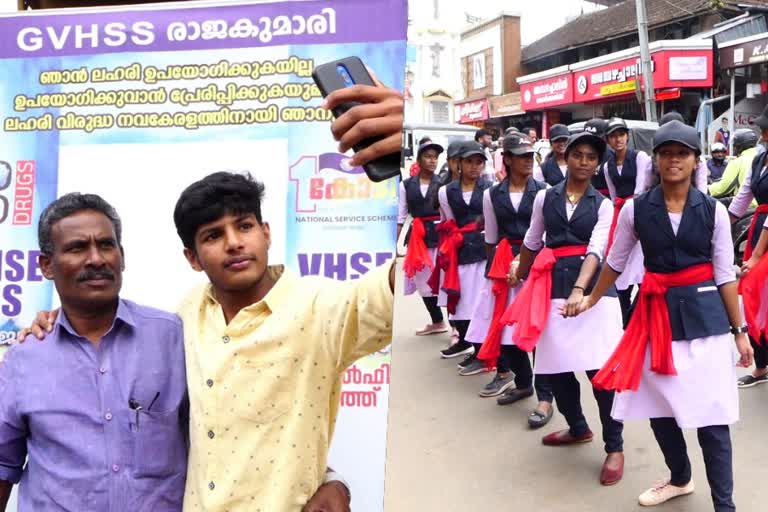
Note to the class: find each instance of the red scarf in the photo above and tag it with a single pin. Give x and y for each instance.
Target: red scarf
(618, 205)
(498, 273)
(451, 240)
(531, 306)
(417, 256)
(751, 287)
(762, 208)
(650, 322)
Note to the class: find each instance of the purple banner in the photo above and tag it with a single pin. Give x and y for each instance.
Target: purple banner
(175, 28)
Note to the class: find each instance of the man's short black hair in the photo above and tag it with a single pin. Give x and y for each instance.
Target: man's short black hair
(70, 204)
(482, 132)
(216, 195)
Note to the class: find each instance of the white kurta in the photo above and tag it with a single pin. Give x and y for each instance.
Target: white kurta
(744, 198)
(471, 276)
(634, 270)
(704, 391)
(418, 283)
(482, 312)
(587, 341)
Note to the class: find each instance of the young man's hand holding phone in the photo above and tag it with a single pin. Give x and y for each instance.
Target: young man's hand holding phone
(369, 116)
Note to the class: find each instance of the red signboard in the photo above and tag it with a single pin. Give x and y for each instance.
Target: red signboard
(471, 111)
(548, 92)
(671, 68)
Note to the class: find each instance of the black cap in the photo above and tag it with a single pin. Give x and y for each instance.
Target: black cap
(470, 148)
(675, 131)
(596, 126)
(586, 138)
(762, 120)
(517, 144)
(616, 124)
(558, 131)
(454, 148)
(671, 116)
(429, 145)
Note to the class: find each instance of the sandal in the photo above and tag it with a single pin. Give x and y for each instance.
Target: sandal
(538, 419)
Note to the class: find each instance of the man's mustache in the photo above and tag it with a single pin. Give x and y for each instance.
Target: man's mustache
(91, 274)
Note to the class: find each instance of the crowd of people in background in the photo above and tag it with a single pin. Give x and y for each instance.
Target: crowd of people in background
(594, 259)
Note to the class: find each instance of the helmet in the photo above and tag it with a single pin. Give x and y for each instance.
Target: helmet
(744, 138)
(717, 146)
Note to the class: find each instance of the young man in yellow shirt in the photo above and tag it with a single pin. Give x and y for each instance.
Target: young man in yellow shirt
(265, 353)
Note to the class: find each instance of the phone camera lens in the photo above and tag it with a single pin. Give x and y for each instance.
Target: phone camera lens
(345, 76)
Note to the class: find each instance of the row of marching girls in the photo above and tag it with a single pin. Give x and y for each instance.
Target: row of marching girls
(448, 259)
(445, 259)
(675, 362)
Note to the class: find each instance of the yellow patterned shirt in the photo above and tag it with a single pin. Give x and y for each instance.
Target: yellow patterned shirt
(264, 390)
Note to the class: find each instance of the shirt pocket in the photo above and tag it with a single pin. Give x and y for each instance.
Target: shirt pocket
(160, 448)
(264, 391)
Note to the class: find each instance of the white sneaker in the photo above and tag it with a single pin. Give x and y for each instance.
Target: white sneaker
(662, 492)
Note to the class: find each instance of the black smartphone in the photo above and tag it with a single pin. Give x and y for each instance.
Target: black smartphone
(347, 72)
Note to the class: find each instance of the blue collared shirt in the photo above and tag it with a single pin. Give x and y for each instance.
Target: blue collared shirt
(64, 407)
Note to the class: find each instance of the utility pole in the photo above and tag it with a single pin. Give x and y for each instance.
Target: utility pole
(645, 61)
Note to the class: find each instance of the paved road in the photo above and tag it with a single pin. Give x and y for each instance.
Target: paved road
(450, 450)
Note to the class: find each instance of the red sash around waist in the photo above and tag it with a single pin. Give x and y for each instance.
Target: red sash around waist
(451, 240)
(751, 288)
(417, 255)
(763, 208)
(617, 206)
(649, 323)
(531, 306)
(498, 273)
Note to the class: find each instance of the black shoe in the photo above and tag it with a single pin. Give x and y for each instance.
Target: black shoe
(457, 350)
(467, 360)
(511, 396)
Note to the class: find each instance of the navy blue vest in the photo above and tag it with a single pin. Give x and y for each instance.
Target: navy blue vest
(551, 171)
(473, 249)
(561, 232)
(695, 311)
(513, 223)
(598, 180)
(624, 183)
(423, 206)
(759, 188)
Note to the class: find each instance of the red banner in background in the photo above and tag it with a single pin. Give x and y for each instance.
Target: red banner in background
(547, 92)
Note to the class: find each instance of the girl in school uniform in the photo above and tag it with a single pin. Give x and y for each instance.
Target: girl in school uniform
(552, 170)
(507, 209)
(418, 197)
(675, 363)
(753, 283)
(628, 172)
(598, 126)
(461, 253)
(576, 219)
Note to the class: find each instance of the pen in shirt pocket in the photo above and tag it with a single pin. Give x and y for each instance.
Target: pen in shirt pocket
(135, 406)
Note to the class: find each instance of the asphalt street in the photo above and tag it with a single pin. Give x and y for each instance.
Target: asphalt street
(450, 450)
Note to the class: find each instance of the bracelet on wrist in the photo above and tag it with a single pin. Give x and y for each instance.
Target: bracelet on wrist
(739, 330)
(576, 287)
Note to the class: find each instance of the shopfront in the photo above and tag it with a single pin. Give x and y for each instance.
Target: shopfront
(745, 64)
(610, 85)
(472, 112)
